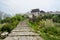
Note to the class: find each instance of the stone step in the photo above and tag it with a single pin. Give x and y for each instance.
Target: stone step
(23, 26)
(23, 34)
(12, 38)
(23, 30)
(24, 38)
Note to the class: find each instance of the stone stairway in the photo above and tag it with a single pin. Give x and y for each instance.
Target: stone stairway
(23, 32)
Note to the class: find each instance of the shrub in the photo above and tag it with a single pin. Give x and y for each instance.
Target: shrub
(14, 23)
(6, 27)
(0, 27)
(42, 23)
(49, 23)
(56, 18)
(47, 28)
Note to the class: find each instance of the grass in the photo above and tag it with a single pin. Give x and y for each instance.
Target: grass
(49, 31)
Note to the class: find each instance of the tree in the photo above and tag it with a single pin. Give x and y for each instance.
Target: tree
(56, 18)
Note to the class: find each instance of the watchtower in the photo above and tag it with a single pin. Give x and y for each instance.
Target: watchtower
(35, 12)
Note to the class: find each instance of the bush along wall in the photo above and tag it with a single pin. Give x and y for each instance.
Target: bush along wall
(47, 28)
(10, 23)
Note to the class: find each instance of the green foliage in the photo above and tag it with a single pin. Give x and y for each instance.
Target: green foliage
(0, 27)
(47, 16)
(6, 27)
(10, 23)
(52, 33)
(6, 20)
(47, 29)
(56, 18)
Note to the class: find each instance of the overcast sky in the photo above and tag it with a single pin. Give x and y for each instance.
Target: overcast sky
(22, 6)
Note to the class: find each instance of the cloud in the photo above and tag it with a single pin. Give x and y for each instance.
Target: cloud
(15, 6)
